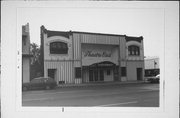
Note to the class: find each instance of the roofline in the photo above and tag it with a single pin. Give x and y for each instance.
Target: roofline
(134, 37)
(107, 34)
(97, 33)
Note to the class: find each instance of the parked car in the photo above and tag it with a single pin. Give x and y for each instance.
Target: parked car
(40, 83)
(154, 79)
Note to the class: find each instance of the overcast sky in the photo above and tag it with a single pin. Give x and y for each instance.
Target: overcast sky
(148, 23)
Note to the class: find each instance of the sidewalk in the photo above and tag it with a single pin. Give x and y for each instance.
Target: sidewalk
(100, 83)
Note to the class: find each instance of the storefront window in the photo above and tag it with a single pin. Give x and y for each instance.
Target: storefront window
(58, 48)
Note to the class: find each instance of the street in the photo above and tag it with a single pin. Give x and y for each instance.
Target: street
(112, 95)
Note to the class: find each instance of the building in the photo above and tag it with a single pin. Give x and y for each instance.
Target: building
(25, 53)
(151, 66)
(82, 57)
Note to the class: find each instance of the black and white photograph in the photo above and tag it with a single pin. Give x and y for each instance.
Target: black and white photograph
(94, 57)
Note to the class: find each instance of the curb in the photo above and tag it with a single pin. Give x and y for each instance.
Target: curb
(100, 84)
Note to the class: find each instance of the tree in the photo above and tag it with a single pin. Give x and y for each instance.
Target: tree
(36, 64)
(35, 51)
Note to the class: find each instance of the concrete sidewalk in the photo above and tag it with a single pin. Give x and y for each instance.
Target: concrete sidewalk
(100, 83)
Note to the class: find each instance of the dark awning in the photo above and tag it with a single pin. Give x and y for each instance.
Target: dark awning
(103, 64)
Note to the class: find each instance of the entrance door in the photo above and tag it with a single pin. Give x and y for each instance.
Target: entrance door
(51, 73)
(101, 75)
(96, 75)
(139, 73)
(90, 75)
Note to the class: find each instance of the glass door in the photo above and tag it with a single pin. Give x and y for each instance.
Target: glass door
(90, 75)
(101, 75)
(96, 75)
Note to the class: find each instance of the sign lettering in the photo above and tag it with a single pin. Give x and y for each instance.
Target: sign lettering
(96, 54)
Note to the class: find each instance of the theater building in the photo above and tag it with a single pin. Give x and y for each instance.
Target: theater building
(83, 57)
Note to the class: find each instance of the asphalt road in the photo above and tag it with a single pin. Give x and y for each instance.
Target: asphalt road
(113, 95)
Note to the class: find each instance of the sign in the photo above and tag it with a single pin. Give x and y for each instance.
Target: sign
(97, 54)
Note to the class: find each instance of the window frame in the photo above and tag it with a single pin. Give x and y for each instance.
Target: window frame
(58, 47)
(133, 50)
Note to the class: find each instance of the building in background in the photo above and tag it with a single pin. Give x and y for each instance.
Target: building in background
(83, 57)
(25, 53)
(151, 66)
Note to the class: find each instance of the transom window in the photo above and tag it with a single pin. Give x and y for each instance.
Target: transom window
(58, 48)
(133, 50)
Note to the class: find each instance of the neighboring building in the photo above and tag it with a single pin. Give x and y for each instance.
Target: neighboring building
(151, 66)
(25, 53)
(82, 57)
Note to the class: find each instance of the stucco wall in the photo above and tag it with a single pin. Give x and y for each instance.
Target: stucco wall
(140, 45)
(48, 56)
(132, 69)
(64, 70)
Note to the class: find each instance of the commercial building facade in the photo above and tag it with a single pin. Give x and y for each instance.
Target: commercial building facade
(152, 67)
(83, 57)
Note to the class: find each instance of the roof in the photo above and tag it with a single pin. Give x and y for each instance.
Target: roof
(57, 33)
(96, 33)
(67, 33)
(130, 38)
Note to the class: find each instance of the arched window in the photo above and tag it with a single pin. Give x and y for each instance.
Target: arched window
(58, 48)
(133, 50)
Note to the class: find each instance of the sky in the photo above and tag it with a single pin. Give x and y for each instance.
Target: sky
(148, 23)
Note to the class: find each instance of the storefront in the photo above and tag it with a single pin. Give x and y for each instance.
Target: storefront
(83, 57)
(103, 71)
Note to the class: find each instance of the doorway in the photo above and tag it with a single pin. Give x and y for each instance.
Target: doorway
(101, 75)
(91, 75)
(139, 73)
(96, 75)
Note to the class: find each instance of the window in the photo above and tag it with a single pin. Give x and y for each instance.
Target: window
(58, 48)
(123, 71)
(78, 72)
(133, 50)
(108, 72)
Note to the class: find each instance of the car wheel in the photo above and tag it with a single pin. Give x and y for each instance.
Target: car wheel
(47, 87)
(25, 88)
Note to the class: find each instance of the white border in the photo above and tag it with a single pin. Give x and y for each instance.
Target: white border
(11, 92)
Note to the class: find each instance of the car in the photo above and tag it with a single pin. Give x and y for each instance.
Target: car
(154, 79)
(40, 83)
